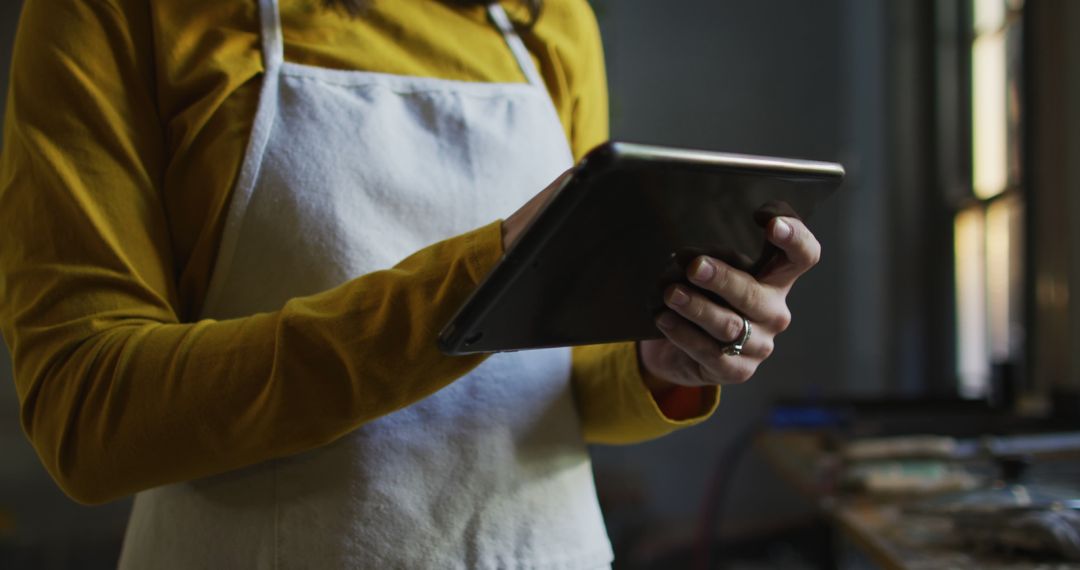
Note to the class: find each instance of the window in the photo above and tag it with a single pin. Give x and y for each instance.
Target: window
(989, 214)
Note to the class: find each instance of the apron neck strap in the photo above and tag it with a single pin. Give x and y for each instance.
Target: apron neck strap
(521, 53)
(273, 48)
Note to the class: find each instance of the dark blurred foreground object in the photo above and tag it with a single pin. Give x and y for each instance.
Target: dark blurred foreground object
(1045, 529)
(1012, 515)
(1037, 531)
(934, 484)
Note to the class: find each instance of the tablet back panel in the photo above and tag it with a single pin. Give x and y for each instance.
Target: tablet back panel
(593, 266)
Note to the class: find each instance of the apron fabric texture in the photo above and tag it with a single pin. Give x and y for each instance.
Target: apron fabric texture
(347, 173)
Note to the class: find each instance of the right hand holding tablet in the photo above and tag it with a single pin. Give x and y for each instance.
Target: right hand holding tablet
(701, 334)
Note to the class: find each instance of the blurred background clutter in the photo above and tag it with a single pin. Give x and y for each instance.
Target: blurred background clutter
(923, 411)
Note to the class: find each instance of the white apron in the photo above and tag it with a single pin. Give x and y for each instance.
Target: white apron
(348, 173)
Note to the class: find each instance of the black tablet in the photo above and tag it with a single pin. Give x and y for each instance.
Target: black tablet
(594, 263)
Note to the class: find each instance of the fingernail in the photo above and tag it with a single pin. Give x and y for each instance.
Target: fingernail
(678, 297)
(781, 229)
(666, 321)
(704, 270)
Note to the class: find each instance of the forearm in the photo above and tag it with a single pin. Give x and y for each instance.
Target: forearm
(141, 404)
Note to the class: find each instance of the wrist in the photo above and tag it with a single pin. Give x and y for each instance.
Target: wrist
(654, 383)
(675, 401)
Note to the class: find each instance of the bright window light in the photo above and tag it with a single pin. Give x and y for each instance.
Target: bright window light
(972, 353)
(999, 260)
(989, 15)
(989, 137)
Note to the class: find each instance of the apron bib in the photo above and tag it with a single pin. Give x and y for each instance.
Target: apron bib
(347, 173)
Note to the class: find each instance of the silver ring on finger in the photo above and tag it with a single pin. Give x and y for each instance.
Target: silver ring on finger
(735, 347)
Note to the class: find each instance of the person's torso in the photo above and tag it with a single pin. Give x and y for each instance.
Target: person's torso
(345, 174)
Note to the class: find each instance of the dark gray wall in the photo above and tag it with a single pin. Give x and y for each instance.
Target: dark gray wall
(843, 80)
(779, 77)
(1071, 143)
(1072, 127)
(1055, 175)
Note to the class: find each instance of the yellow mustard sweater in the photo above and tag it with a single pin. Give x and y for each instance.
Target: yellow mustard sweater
(125, 128)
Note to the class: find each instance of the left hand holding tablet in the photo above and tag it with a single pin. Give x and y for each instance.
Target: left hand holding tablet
(701, 335)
